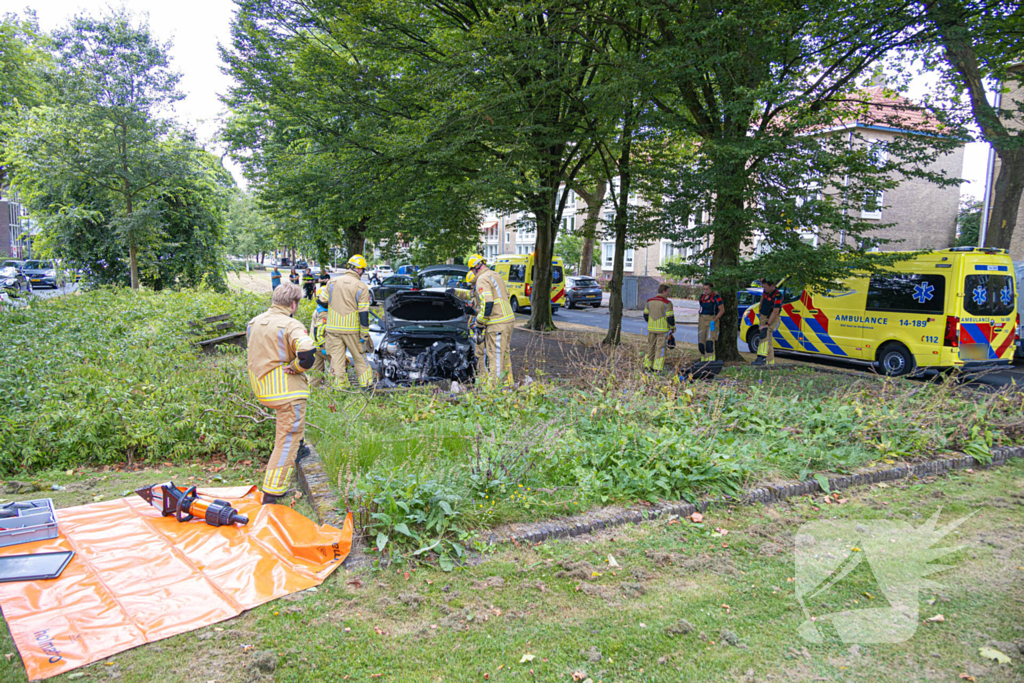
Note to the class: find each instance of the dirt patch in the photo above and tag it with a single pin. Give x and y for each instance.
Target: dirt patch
(411, 599)
(680, 628)
(488, 583)
(580, 571)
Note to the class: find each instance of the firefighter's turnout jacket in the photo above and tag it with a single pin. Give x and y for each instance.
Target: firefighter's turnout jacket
(346, 298)
(275, 338)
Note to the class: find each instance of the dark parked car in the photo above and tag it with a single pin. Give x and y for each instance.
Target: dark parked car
(423, 337)
(395, 283)
(582, 290)
(40, 273)
(13, 280)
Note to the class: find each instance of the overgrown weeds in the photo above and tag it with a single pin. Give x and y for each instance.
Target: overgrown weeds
(615, 435)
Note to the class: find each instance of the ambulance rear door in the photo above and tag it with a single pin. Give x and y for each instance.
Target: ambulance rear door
(988, 308)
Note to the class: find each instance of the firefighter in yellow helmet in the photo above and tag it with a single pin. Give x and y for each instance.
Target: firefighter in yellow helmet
(279, 353)
(661, 319)
(347, 300)
(496, 319)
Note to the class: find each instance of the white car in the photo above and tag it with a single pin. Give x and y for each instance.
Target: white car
(384, 271)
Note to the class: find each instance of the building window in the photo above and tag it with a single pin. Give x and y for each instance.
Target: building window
(569, 225)
(608, 257)
(670, 251)
(872, 208)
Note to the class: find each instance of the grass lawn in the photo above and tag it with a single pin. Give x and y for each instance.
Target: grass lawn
(667, 613)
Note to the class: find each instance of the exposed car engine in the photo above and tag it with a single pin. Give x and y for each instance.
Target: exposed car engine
(425, 338)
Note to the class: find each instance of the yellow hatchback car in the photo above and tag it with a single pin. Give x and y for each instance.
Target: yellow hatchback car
(954, 308)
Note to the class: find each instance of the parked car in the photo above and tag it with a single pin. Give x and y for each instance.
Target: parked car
(407, 269)
(13, 281)
(423, 337)
(745, 298)
(395, 283)
(300, 265)
(582, 289)
(13, 263)
(444, 277)
(383, 270)
(40, 273)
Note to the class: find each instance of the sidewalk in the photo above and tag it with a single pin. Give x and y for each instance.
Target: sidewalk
(686, 310)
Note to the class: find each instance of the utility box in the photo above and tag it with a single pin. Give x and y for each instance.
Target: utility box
(637, 289)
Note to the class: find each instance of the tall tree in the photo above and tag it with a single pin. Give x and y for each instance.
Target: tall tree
(984, 40)
(24, 61)
(114, 83)
(492, 95)
(758, 97)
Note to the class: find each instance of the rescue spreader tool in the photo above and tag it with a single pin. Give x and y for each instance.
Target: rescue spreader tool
(185, 504)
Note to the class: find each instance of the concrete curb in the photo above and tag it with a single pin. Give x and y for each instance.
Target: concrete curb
(316, 485)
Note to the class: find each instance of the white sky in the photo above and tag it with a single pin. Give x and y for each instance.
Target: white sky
(195, 27)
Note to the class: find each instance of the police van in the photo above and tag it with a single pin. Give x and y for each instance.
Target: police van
(943, 309)
(517, 272)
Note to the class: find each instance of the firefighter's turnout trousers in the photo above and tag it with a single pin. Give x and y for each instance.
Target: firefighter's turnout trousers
(498, 352)
(766, 348)
(706, 337)
(339, 342)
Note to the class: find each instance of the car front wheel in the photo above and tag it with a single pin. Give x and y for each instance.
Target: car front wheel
(753, 339)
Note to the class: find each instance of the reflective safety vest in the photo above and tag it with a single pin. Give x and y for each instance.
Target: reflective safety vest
(274, 340)
(657, 311)
(491, 288)
(345, 298)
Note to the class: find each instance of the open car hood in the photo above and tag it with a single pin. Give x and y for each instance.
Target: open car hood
(426, 310)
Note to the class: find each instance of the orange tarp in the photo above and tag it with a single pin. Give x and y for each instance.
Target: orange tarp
(138, 577)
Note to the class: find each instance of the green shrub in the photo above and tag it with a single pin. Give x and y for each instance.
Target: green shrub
(112, 376)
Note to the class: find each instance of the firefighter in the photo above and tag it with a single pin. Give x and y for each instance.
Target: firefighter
(496, 318)
(308, 282)
(660, 321)
(347, 300)
(279, 353)
(768, 313)
(480, 350)
(712, 308)
(318, 333)
(325, 278)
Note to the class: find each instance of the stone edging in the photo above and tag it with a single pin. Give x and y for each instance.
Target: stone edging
(322, 496)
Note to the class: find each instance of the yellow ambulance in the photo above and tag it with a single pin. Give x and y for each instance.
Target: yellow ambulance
(517, 272)
(954, 308)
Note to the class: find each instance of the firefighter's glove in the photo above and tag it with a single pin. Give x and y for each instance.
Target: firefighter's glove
(368, 345)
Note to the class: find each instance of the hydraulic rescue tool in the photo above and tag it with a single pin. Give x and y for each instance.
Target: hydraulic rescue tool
(185, 504)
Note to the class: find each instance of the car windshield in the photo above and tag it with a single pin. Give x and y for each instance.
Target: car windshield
(443, 278)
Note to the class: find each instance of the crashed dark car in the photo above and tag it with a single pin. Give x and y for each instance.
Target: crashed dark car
(423, 337)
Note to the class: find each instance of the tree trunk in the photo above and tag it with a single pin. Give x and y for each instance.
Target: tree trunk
(729, 208)
(950, 17)
(621, 223)
(594, 200)
(1009, 187)
(540, 300)
(355, 235)
(133, 263)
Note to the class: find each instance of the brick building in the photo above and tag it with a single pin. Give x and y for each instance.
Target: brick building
(14, 226)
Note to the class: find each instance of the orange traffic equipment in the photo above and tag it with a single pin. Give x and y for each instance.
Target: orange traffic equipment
(185, 504)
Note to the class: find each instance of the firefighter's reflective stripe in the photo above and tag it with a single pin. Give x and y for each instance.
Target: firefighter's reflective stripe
(659, 325)
(273, 386)
(337, 322)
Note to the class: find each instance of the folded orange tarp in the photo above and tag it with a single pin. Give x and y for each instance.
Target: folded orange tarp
(138, 577)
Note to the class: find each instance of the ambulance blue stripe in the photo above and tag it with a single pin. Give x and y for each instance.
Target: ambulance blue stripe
(827, 340)
(781, 341)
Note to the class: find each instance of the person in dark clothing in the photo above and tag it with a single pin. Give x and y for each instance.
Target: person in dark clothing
(768, 315)
(712, 308)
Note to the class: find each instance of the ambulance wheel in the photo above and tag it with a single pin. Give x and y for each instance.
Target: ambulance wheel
(753, 338)
(895, 360)
(515, 305)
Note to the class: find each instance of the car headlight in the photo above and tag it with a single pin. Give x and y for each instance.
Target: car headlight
(8, 283)
(50, 273)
